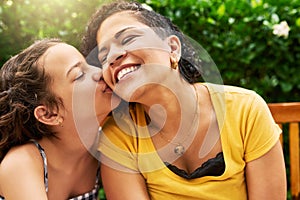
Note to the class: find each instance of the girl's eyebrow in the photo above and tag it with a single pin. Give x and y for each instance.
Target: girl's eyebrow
(78, 64)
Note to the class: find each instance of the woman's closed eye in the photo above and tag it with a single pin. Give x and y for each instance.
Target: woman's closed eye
(129, 39)
(102, 56)
(102, 59)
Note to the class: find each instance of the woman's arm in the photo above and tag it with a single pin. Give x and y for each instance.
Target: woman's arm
(123, 185)
(266, 176)
(22, 175)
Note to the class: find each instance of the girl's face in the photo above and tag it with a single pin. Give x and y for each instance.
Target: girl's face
(78, 84)
(133, 56)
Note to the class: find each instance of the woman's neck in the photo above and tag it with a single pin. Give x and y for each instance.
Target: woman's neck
(173, 109)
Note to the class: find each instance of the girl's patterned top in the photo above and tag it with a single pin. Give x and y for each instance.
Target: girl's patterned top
(92, 195)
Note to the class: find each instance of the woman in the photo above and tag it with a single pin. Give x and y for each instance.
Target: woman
(46, 94)
(196, 140)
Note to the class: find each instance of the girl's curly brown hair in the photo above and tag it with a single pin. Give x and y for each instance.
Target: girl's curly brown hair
(24, 85)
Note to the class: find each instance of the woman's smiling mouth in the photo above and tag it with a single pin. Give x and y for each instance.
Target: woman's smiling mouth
(125, 71)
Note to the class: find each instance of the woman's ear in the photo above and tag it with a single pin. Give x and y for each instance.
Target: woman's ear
(43, 115)
(175, 44)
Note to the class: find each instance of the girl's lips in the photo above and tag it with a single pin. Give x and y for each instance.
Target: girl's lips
(108, 90)
(103, 86)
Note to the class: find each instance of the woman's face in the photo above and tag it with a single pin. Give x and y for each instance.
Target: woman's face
(78, 84)
(133, 56)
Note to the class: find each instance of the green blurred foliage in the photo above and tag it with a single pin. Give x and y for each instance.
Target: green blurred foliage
(23, 21)
(238, 35)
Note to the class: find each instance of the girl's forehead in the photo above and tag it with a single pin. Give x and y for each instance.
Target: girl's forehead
(60, 57)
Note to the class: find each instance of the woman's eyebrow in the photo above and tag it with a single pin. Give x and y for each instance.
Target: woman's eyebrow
(78, 64)
(118, 34)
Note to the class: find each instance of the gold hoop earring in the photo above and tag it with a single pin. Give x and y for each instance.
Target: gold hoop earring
(174, 62)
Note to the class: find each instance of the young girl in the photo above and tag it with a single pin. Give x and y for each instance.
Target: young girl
(47, 95)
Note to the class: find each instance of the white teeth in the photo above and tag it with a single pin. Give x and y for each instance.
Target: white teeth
(126, 71)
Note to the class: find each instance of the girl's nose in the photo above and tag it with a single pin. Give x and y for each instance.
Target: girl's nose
(97, 76)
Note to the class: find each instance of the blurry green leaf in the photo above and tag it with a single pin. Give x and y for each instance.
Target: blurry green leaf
(292, 11)
(218, 45)
(274, 18)
(298, 22)
(286, 87)
(41, 34)
(101, 194)
(221, 10)
(211, 20)
(267, 23)
(256, 3)
(246, 19)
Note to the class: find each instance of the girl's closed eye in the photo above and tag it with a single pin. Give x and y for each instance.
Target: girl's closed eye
(79, 75)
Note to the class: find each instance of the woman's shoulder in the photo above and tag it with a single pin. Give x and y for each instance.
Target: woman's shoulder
(228, 89)
(225, 94)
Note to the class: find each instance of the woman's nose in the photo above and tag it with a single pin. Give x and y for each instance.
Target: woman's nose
(116, 54)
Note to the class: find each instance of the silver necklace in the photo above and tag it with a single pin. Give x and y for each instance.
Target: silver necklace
(179, 148)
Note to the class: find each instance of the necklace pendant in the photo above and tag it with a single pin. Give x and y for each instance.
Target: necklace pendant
(179, 150)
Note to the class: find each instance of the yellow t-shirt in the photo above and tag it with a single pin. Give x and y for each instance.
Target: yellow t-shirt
(247, 132)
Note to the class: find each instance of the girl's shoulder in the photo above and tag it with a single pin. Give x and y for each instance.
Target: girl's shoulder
(21, 161)
(22, 173)
(21, 154)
